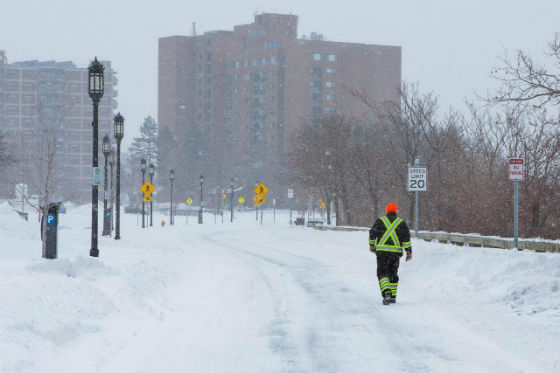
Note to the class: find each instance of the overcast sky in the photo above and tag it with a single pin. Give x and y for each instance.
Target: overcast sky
(447, 46)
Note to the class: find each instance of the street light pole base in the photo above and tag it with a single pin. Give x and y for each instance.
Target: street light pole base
(94, 253)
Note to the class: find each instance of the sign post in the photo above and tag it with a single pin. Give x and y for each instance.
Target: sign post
(417, 182)
(260, 190)
(189, 203)
(516, 173)
(291, 198)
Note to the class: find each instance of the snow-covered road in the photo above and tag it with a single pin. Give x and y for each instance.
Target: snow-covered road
(246, 297)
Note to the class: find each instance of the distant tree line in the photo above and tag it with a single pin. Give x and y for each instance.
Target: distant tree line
(360, 163)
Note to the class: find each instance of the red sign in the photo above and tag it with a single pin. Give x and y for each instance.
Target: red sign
(516, 168)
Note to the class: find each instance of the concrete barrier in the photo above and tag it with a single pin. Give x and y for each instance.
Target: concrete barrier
(473, 240)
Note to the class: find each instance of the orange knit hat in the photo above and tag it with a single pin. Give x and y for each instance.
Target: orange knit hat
(391, 207)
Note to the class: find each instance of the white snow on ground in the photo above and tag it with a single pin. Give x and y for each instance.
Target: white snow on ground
(271, 298)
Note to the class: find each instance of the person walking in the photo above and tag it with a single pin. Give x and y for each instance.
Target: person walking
(388, 236)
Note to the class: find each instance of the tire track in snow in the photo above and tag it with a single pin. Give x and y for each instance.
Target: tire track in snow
(419, 337)
(343, 307)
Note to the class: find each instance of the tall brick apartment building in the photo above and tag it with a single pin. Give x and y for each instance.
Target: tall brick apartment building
(246, 90)
(37, 95)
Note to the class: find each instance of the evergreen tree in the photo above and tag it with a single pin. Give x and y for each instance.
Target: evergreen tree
(145, 146)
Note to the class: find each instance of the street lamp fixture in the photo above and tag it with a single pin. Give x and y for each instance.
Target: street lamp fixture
(201, 201)
(171, 178)
(95, 91)
(152, 171)
(106, 149)
(143, 169)
(118, 130)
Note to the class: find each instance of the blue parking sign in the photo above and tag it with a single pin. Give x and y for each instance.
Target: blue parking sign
(51, 220)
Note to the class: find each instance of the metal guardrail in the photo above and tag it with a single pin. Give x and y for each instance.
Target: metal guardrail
(473, 240)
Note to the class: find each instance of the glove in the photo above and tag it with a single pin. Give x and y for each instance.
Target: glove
(408, 255)
(372, 248)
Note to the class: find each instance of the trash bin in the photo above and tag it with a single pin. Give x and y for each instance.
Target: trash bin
(50, 239)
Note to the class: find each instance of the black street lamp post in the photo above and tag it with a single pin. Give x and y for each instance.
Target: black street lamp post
(119, 133)
(171, 177)
(152, 171)
(112, 194)
(106, 148)
(231, 202)
(201, 201)
(143, 169)
(95, 90)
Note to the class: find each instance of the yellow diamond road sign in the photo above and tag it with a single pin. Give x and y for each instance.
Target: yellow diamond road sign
(147, 188)
(261, 189)
(259, 199)
(189, 201)
(241, 200)
(147, 198)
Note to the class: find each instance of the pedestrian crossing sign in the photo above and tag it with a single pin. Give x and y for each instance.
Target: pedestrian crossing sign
(147, 188)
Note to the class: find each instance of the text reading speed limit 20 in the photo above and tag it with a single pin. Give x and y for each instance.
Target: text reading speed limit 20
(417, 179)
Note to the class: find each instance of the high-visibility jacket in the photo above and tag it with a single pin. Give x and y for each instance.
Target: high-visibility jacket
(391, 234)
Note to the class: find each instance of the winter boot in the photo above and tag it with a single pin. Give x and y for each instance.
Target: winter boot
(393, 299)
(386, 298)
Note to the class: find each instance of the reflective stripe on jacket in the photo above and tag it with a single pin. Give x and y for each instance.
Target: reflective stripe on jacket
(391, 234)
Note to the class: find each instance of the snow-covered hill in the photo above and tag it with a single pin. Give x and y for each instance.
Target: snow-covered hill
(245, 297)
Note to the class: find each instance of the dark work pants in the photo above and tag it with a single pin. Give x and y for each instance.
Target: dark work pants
(387, 268)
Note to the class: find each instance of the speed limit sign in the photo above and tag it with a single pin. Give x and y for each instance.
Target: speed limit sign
(417, 179)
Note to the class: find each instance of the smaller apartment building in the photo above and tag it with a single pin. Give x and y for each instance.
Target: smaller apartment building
(38, 95)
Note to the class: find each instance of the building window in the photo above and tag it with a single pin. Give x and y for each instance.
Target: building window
(28, 74)
(330, 110)
(315, 84)
(12, 86)
(28, 110)
(317, 57)
(331, 71)
(263, 61)
(254, 62)
(237, 64)
(272, 45)
(330, 97)
(316, 72)
(330, 84)
(332, 57)
(246, 63)
(273, 60)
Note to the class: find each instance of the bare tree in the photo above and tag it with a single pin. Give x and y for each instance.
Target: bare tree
(321, 160)
(523, 80)
(40, 156)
